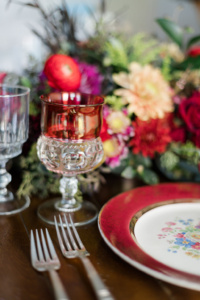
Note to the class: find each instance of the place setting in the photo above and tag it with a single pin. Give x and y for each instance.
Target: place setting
(100, 151)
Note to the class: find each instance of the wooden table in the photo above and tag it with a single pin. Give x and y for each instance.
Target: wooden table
(19, 281)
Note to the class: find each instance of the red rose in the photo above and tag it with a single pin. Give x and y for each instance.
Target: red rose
(196, 139)
(62, 73)
(178, 134)
(177, 130)
(194, 51)
(190, 112)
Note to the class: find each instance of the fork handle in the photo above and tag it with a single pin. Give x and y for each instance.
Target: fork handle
(101, 291)
(59, 291)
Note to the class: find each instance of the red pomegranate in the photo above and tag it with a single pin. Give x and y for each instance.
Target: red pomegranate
(62, 73)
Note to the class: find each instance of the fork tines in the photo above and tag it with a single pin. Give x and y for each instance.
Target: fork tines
(39, 250)
(75, 248)
(70, 236)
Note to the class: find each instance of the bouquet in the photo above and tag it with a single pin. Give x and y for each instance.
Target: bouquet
(151, 117)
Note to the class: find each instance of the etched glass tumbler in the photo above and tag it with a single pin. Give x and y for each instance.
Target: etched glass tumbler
(14, 125)
(69, 145)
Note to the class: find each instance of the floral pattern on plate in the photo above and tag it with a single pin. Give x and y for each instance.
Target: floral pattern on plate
(182, 235)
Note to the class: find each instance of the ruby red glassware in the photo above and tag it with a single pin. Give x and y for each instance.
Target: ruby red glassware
(69, 145)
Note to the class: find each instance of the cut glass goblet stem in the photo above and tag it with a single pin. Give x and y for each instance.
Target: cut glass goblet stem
(5, 179)
(68, 189)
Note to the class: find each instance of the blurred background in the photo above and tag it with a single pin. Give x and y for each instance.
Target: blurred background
(16, 21)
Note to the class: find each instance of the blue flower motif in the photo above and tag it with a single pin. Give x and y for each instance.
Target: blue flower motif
(186, 222)
(184, 242)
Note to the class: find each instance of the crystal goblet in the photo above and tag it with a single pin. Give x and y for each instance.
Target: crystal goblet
(14, 125)
(69, 145)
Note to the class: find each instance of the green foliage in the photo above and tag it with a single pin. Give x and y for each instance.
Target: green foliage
(190, 63)
(25, 82)
(116, 53)
(33, 109)
(114, 101)
(169, 160)
(137, 166)
(149, 176)
(120, 53)
(144, 49)
(166, 68)
(174, 31)
(181, 162)
(129, 172)
(192, 41)
(36, 179)
(187, 151)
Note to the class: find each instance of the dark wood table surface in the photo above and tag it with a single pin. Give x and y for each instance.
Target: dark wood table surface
(19, 281)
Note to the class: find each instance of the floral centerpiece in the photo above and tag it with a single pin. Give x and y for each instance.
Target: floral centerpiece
(151, 117)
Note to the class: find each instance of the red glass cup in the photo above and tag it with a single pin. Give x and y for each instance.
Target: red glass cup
(71, 116)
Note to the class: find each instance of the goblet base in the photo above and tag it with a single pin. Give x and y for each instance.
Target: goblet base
(14, 206)
(82, 215)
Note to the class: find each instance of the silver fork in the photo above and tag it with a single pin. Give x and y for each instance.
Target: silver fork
(43, 259)
(71, 246)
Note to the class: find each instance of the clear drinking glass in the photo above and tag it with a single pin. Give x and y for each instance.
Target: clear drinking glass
(14, 125)
(69, 145)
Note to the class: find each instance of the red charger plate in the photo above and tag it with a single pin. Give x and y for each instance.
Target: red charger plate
(114, 225)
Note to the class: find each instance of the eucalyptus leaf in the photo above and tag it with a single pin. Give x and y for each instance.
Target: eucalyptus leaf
(129, 173)
(149, 176)
(142, 160)
(174, 31)
(188, 166)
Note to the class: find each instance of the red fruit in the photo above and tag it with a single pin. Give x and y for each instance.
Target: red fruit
(194, 51)
(62, 73)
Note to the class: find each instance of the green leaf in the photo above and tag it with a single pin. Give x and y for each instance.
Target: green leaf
(189, 63)
(26, 82)
(149, 177)
(114, 101)
(33, 109)
(172, 29)
(176, 247)
(116, 52)
(128, 173)
(188, 29)
(141, 160)
(193, 40)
